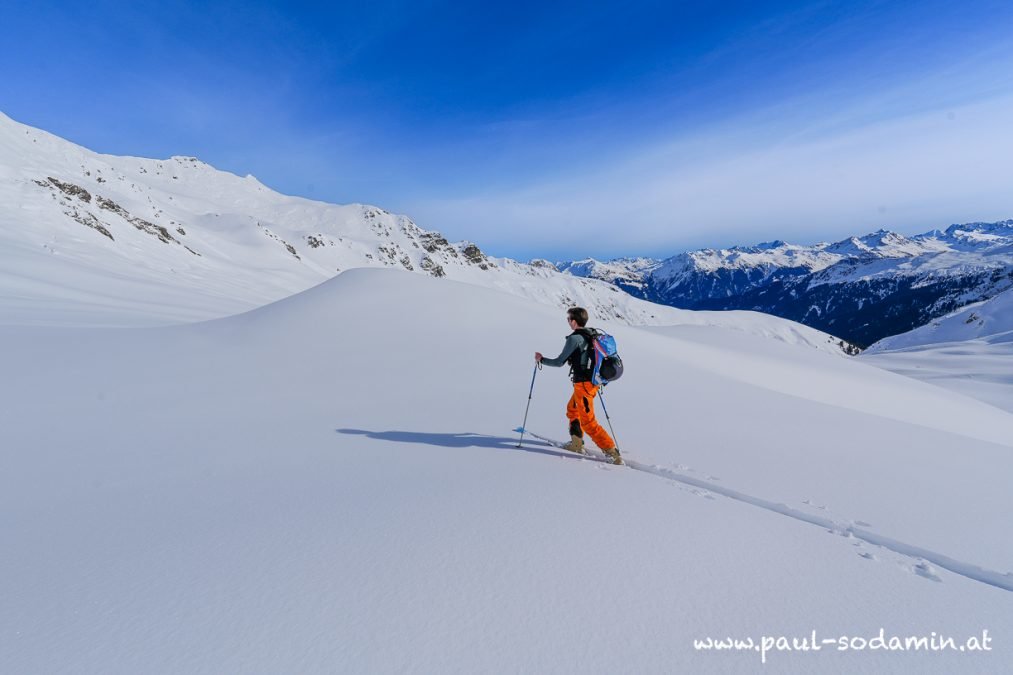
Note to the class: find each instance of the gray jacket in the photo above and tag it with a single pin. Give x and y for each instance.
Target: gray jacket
(572, 344)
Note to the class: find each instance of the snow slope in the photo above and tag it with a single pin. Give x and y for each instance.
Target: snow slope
(980, 368)
(296, 490)
(970, 351)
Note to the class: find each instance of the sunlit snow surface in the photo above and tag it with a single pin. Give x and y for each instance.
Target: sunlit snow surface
(330, 484)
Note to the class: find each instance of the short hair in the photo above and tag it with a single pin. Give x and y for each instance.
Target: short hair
(578, 314)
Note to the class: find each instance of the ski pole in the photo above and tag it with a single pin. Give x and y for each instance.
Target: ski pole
(601, 395)
(538, 366)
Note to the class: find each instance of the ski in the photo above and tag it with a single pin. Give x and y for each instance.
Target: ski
(593, 455)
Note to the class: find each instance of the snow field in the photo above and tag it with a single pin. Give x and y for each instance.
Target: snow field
(329, 484)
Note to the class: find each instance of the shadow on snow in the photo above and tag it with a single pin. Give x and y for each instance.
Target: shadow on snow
(462, 440)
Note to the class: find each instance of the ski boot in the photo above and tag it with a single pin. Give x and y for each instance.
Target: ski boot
(576, 444)
(613, 454)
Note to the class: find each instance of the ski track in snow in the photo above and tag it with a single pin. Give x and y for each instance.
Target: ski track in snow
(923, 556)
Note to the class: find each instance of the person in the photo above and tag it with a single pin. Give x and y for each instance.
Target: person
(578, 353)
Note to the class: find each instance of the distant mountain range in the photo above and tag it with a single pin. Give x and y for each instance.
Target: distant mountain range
(862, 289)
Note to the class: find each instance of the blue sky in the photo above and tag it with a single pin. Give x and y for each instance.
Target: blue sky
(552, 129)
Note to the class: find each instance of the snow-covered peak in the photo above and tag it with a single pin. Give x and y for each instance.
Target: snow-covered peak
(762, 258)
(974, 236)
(879, 244)
(543, 263)
(1000, 228)
(624, 269)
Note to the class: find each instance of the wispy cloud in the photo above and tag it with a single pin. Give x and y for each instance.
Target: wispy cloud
(899, 159)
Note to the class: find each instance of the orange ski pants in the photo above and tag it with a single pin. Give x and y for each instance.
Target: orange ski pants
(581, 409)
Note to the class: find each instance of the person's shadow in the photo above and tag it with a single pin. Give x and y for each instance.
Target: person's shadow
(462, 440)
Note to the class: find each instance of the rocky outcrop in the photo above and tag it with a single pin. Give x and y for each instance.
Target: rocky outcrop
(473, 255)
(140, 223)
(432, 267)
(70, 189)
(89, 220)
(543, 264)
(434, 242)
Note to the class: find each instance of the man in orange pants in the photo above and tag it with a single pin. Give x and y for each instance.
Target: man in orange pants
(579, 353)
